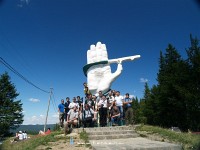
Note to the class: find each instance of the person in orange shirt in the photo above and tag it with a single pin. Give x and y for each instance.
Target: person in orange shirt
(45, 133)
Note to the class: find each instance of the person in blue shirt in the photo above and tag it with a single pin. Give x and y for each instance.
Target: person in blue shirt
(61, 110)
(128, 110)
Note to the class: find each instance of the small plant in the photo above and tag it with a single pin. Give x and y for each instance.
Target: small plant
(84, 136)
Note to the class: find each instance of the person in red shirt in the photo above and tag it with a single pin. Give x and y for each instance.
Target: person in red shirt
(45, 133)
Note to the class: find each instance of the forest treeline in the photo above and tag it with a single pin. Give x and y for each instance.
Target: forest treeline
(175, 100)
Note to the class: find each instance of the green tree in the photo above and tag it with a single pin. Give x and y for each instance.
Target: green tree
(175, 100)
(10, 109)
(193, 94)
(141, 115)
(147, 109)
(150, 104)
(172, 79)
(136, 108)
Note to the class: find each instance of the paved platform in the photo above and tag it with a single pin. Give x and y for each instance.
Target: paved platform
(137, 143)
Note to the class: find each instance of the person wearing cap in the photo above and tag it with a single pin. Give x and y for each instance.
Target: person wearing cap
(72, 119)
(128, 110)
(20, 135)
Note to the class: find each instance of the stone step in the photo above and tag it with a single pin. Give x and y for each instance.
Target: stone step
(111, 132)
(137, 143)
(112, 136)
(113, 128)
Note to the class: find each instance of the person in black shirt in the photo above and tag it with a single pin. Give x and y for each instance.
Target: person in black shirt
(67, 107)
(80, 102)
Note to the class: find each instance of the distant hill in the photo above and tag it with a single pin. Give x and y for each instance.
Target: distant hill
(33, 128)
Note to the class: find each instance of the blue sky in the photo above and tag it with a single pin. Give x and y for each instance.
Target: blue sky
(47, 42)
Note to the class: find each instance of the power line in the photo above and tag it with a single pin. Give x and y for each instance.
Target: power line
(8, 45)
(20, 75)
(53, 102)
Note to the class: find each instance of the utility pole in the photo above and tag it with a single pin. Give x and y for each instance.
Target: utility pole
(48, 108)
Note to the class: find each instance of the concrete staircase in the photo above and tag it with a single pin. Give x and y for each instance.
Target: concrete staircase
(118, 132)
(124, 138)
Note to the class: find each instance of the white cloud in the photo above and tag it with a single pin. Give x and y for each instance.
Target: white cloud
(56, 115)
(42, 116)
(40, 119)
(34, 119)
(143, 80)
(34, 100)
(21, 3)
(132, 96)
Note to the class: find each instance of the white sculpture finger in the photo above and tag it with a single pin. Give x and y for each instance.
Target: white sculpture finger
(98, 45)
(104, 53)
(91, 54)
(103, 46)
(92, 47)
(101, 52)
(89, 57)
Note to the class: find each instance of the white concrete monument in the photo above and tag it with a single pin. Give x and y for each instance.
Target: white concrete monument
(98, 70)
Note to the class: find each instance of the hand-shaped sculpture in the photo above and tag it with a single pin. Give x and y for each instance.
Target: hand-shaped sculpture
(98, 71)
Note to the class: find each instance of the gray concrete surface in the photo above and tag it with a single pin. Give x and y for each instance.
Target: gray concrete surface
(137, 143)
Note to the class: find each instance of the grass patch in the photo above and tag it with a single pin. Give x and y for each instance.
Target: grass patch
(188, 141)
(29, 144)
(84, 136)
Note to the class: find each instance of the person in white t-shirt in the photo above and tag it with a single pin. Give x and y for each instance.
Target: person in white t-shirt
(24, 135)
(119, 99)
(20, 135)
(72, 118)
(73, 104)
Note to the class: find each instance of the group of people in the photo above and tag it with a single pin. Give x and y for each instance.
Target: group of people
(20, 136)
(103, 109)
